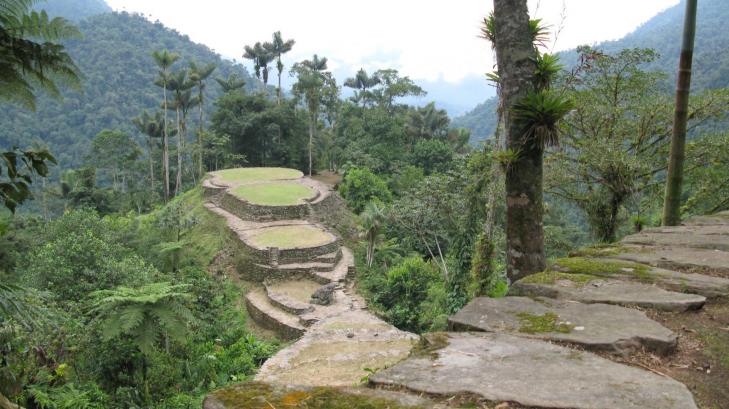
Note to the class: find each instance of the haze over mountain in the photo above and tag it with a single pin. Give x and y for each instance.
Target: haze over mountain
(661, 33)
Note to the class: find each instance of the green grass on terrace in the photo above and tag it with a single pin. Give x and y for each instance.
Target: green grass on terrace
(274, 194)
(247, 175)
(287, 237)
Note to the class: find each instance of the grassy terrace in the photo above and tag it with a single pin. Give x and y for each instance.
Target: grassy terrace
(247, 175)
(274, 194)
(288, 237)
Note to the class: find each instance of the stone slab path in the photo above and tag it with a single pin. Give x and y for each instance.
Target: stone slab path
(615, 292)
(505, 368)
(598, 327)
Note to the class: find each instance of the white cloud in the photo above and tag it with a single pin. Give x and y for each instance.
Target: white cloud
(424, 39)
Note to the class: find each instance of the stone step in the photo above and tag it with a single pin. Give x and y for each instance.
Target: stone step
(596, 327)
(505, 368)
(593, 290)
(712, 237)
(267, 315)
(332, 258)
(292, 296)
(336, 351)
(619, 268)
(341, 272)
(685, 259)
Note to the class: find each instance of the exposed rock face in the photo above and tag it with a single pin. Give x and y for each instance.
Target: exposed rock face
(600, 327)
(611, 292)
(336, 351)
(505, 368)
(324, 295)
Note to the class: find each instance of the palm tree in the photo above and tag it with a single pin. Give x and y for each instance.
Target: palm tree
(674, 179)
(148, 314)
(372, 222)
(182, 102)
(164, 60)
(231, 83)
(277, 47)
(198, 75)
(311, 80)
(32, 55)
(152, 127)
(362, 82)
(261, 59)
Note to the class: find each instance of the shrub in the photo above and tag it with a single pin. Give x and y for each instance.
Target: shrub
(361, 186)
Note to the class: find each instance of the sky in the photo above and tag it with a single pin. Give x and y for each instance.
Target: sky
(429, 41)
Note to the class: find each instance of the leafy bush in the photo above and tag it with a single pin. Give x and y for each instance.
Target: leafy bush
(361, 186)
(433, 155)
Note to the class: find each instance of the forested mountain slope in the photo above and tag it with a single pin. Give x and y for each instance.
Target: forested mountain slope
(73, 10)
(115, 56)
(661, 33)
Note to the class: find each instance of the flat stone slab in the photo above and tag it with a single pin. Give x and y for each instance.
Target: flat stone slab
(622, 267)
(684, 258)
(615, 292)
(599, 327)
(721, 218)
(714, 237)
(336, 350)
(533, 373)
(258, 395)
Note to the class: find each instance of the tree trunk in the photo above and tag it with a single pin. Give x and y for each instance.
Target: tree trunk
(515, 56)
(311, 141)
(6, 404)
(165, 149)
(151, 164)
(674, 180)
(178, 176)
(278, 91)
(200, 139)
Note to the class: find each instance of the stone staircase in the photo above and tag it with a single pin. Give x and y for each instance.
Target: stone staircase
(599, 300)
(305, 292)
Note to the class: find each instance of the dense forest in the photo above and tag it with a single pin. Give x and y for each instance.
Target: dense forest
(115, 289)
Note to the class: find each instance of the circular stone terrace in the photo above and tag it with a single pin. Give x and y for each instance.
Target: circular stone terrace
(297, 236)
(241, 176)
(275, 193)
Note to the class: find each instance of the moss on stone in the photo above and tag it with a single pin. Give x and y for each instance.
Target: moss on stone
(551, 277)
(600, 267)
(599, 250)
(257, 395)
(538, 324)
(429, 344)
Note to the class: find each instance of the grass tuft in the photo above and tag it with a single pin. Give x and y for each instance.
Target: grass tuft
(538, 324)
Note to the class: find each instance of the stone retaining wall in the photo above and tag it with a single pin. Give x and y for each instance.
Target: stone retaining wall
(261, 213)
(258, 264)
(282, 330)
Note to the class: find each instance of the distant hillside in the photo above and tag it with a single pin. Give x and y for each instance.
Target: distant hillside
(115, 56)
(73, 10)
(661, 33)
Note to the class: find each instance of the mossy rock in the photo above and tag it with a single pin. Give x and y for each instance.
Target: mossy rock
(599, 250)
(551, 277)
(603, 268)
(539, 324)
(258, 395)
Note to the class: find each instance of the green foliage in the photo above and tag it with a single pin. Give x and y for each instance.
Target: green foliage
(17, 170)
(405, 291)
(147, 314)
(32, 56)
(432, 155)
(80, 253)
(539, 114)
(361, 186)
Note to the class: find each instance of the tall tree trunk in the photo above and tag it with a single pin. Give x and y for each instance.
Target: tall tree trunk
(178, 176)
(165, 148)
(150, 145)
(311, 141)
(200, 138)
(515, 56)
(674, 180)
(280, 69)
